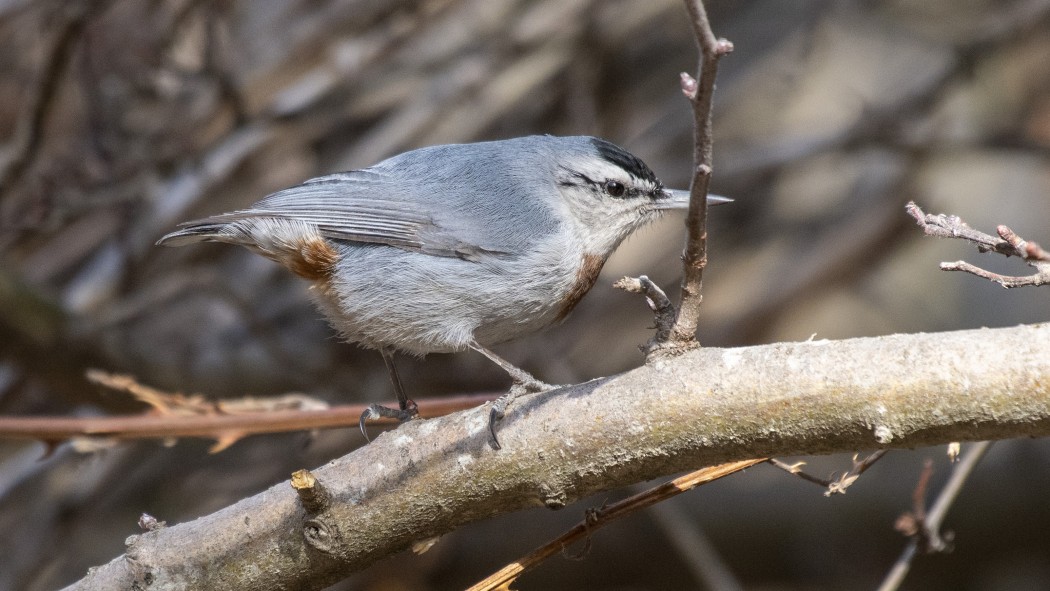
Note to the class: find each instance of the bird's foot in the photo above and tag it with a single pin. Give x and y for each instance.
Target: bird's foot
(500, 405)
(376, 411)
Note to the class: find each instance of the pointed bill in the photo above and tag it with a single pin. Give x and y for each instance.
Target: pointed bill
(679, 199)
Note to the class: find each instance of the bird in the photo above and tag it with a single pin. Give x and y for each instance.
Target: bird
(452, 247)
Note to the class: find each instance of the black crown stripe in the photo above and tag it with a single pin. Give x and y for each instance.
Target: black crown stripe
(625, 160)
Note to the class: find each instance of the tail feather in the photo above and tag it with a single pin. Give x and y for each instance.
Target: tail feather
(198, 232)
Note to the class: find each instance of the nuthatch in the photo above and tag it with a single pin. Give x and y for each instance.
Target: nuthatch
(452, 247)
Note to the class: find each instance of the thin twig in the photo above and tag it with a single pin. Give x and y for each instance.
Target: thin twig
(176, 415)
(659, 303)
(927, 536)
(699, 91)
(796, 469)
(1008, 244)
(597, 518)
(838, 485)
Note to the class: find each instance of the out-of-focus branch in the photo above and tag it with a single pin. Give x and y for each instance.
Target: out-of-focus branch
(211, 426)
(925, 526)
(602, 516)
(699, 91)
(686, 537)
(19, 152)
(1008, 244)
(226, 421)
(429, 477)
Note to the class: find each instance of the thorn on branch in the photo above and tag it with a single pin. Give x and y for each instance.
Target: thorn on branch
(1007, 244)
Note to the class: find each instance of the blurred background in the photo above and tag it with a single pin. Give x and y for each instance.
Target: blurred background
(121, 118)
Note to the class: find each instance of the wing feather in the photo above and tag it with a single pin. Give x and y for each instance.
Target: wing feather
(359, 206)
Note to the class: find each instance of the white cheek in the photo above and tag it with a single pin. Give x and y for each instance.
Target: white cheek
(607, 231)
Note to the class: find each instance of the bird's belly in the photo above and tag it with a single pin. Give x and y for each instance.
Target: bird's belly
(417, 303)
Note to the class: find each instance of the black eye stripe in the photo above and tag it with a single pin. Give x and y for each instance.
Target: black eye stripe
(578, 175)
(612, 187)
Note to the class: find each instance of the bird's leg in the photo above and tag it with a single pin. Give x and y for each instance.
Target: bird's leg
(406, 408)
(523, 383)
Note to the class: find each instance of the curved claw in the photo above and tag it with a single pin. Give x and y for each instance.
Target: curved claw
(370, 413)
(376, 411)
(495, 415)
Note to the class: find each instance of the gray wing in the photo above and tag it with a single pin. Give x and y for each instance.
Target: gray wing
(358, 206)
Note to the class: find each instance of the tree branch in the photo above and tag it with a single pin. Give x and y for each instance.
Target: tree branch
(927, 526)
(224, 427)
(1008, 244)
(706, 407)
(663, 309)
(699, 91)
(838, 485)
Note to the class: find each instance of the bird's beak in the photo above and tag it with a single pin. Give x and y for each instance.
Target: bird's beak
(679, 199)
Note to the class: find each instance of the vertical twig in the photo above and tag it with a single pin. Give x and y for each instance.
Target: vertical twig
(699, 91)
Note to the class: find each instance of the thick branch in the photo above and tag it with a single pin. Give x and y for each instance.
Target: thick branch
(706, 407)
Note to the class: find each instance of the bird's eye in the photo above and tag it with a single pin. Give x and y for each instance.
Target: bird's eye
(615, 188)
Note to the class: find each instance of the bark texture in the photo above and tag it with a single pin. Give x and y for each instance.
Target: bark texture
(703, 407)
